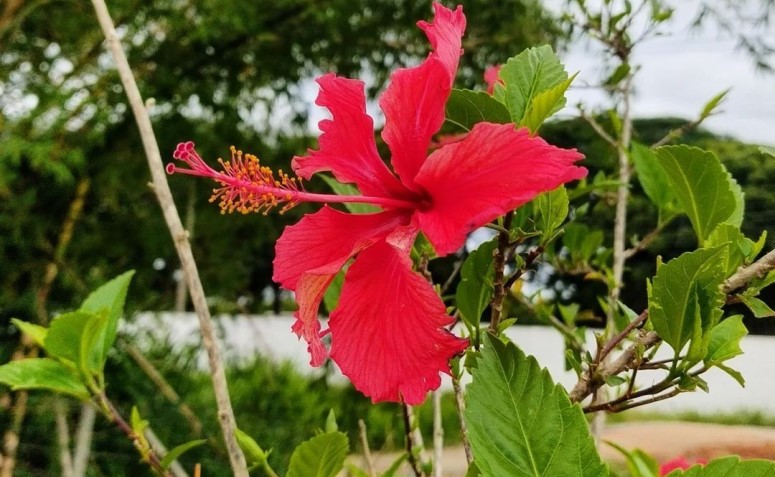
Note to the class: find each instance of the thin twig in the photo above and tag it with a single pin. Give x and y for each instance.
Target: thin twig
(648, 238)
(745, 275)
(180, 239)
(83, 438)
(461, 408)
(63, 437)
(408, 435)
(599, 129)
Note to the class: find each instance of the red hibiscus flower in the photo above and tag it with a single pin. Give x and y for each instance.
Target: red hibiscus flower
(388, 332)
(680, 462)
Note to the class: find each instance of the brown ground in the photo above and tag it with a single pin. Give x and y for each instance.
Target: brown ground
(663, 440)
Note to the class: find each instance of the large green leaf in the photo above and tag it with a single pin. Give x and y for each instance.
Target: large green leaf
(36, 332)
(321, 456)
(705, 190)
(545, 104)
(465, 108)
(729, 467)
(520, 423)
(475, 288)
(525, 76)
(653, 179)
(108, 299)
(685, 298)
(738, 246)
(63, 340)
(552, 207)
(43, 373)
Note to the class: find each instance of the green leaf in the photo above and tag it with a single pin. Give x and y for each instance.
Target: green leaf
(36, 332)
(395, 466)
(685, 298)
(737, 216)
(331, 297)
(520, 423)
(465, 108)
(525, 76)
(331, 425)
(725, 339)
(473, 470)
(711, 105)
(545, 104)
(703, 187)
(43, 373)
(108, 299)
(738, 246)
(254, 454)
(172, 455)
(653, 179)
(618, 75)
(639, 463)
(729, 467)
(63, 340)
(757, 307)
(475, 289)
(552, 210)
(321, 456)
(349, 189)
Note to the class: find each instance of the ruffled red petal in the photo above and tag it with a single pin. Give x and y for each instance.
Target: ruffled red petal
(309, 254)
(387, 333)
(494, 169)
(347, 146)
(414, 101)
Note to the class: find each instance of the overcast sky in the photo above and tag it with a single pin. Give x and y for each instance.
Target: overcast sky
(683, 69)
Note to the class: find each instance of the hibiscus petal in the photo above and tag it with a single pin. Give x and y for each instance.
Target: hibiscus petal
(387, 333)
(309, 254)
(494, 169)
(347, 146)
(414, 101)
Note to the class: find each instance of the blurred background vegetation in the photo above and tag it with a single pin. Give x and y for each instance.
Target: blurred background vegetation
(76, 208)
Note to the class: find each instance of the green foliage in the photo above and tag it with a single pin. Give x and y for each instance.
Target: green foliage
(476, 287)
(552, 209)
(653, 179)
(729, 467)
(639, 464)
(255, 456)
(524, 78)
(545, 104)
(685, 299)
(705, 190)
(465, 108)
(321, 456)
(520, 423)
(43, 373)
(108, 300)
(173, 454)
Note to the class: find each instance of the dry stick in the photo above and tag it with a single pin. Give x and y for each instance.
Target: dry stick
(83, 439)
(499, 264)
(27, 347)
(366, 450)
(758, 269)
(438, 436)
(410, 455)
(63, 437)
(179, 237)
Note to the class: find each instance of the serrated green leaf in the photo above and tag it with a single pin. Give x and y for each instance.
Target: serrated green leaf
(475, 288)
(331, 425)
(43, 373)
(545, 104)
(738, 246)
(254, 454)
(92, 344)
(653, 179)
(704, 189)
(521, 423)
(711, 105)
(108, 299)
(349, 189)
(685, 299)
(736, 218)
(724, 343)
(321, 456)
(729, 467)
(177, 451)
(63, 340)
(465, 108)
(525, 76)
(757, 306)
(36, 332)
(552, 208)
